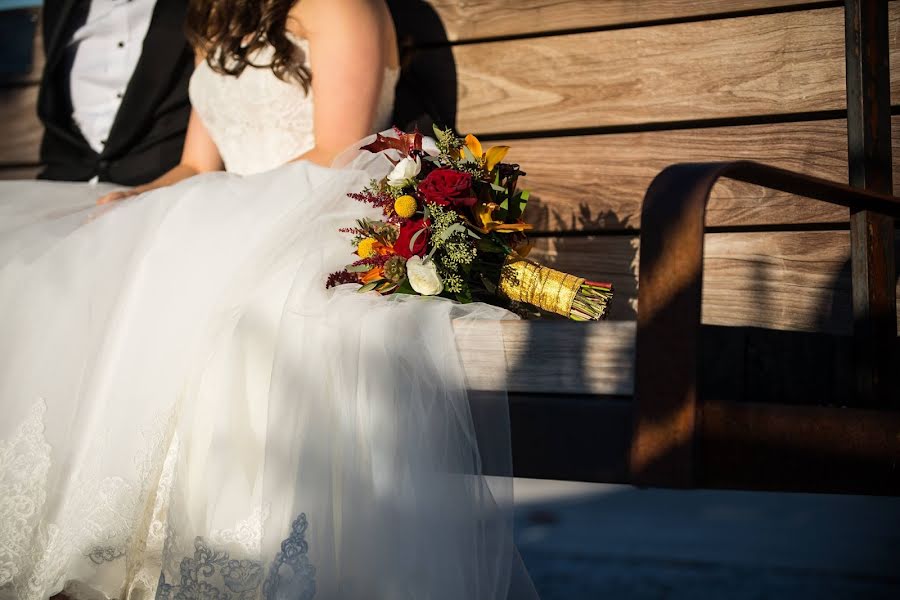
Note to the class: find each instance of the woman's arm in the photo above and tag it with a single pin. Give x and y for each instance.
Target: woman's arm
(347, 61)
(199, 155)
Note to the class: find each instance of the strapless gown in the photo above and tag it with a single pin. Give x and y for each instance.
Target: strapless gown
(187, 412)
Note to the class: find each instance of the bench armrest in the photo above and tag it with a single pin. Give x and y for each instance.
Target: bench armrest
(670, 297)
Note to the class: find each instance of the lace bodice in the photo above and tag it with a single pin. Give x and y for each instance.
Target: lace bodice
(258, 121)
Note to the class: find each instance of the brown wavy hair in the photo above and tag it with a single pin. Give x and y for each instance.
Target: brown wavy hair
(228, 32)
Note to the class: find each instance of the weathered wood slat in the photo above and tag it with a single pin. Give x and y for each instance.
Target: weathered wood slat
(556, 357)
(740, 67)
(742, 445)
(495, 18)
(18, 173)
(765, 446)
(598, 182)
(22, 130)
(786, 280)
(749, 364)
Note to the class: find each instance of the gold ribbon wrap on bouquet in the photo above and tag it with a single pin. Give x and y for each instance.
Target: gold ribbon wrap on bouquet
(524, 281)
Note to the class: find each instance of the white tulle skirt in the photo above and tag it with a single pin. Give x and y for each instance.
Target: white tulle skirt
(187, 413)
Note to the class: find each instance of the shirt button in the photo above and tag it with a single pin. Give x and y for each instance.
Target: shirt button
(119, 95)
(121, 44)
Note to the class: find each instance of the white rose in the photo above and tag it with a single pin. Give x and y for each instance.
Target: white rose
(405, 170)
(423, 276)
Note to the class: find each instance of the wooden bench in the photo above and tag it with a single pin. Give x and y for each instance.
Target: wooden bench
(596, 99)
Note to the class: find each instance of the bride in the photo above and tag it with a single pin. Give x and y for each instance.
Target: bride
(188, 413)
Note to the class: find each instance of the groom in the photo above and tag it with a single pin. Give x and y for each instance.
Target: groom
(113, 95)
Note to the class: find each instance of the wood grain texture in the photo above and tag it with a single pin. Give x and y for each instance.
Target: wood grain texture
(22, 130)
(560, 359)
(796, 281)
(494, 18)
(18, 173)
(598, 182)
(555, 357)
(739, 67)
(740, 364)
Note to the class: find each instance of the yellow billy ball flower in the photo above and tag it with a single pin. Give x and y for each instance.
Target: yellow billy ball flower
(366, 247)
(405, 206)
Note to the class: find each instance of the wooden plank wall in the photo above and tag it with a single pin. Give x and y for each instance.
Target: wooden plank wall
(18, 98)
(597, 97)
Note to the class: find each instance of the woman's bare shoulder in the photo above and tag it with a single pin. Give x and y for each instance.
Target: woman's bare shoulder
(307, 18)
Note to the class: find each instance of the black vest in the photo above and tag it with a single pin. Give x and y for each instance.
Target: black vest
(147, 134)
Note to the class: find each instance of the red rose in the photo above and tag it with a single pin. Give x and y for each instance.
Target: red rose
(407, 231)
(446, 186)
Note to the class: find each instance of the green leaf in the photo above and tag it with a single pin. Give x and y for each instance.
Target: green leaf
(523, 200)
(368, 287)
(473, 234)
(468, 156)
(465, 296)
(486, 244)
(412, 240)
(358, 268)
(447, 232)
(405, 288)
(488, 284)
(498, 188)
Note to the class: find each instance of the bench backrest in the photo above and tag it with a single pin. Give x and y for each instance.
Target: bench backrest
(596, 97)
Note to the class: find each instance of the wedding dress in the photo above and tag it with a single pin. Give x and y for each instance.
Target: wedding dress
(187, 412)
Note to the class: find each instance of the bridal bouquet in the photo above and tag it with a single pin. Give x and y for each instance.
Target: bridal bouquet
(453, 226)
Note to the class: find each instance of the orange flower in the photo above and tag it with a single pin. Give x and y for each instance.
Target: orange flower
(372, 275)
(384, 249)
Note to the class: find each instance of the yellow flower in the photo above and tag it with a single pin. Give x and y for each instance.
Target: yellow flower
(473, 145)
(484, 212)
(488, 159)
(366, 247)
(405, 206)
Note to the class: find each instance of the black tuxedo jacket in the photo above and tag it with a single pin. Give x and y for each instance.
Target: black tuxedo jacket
(148, 132)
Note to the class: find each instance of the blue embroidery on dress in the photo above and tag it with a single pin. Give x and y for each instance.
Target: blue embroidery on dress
(292, 575)
(214, 575)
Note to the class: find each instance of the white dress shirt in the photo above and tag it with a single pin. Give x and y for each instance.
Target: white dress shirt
(106, 51)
